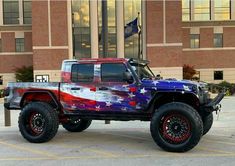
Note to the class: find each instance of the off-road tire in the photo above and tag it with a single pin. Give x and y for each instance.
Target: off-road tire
(33, 114)
(188, 114)
(77, 126)
(207, 123)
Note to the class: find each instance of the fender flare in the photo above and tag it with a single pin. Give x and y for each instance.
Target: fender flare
(53, 97)
(159, 94)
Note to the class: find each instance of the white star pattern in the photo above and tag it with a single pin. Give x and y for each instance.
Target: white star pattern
(124, 109)
(97, 107)
(119, 100)
(108, 104)
(143, 91)
(131, 95)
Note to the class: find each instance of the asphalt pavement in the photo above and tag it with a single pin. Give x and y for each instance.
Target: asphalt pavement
(120, 143)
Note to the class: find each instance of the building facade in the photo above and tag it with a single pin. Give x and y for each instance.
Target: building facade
(173, 33)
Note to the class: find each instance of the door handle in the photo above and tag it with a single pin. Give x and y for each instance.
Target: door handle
(103, 88)
(75, 88)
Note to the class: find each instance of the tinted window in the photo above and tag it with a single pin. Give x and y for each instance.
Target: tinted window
(112, 72)
(218, 75)
(82, 73)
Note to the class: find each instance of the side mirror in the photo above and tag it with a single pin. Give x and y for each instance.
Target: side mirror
(128, 77)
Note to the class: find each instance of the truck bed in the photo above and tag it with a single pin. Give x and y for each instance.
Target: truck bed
(17, 90)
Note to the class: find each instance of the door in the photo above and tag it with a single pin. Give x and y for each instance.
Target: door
(113, 93)
(79, 95)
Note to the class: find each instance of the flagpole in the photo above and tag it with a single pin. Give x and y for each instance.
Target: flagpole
(104, 28)
(139, 35)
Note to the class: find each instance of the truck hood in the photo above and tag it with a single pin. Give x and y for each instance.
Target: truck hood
(171, 85)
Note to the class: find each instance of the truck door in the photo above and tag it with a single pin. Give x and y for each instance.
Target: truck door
(113, 93)
(79, 95)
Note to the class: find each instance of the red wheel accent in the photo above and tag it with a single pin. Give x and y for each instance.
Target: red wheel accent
(176, 128)
(36, 123)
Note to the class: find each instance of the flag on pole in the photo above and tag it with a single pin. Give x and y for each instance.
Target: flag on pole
(131, 28)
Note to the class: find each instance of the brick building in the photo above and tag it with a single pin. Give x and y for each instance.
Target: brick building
(173, 33)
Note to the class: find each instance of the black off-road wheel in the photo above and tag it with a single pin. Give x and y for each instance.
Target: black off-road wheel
(76, 124)
(38, 122)
(207, 123)
(176, 127)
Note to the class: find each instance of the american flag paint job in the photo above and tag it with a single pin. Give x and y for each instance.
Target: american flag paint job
(98, 96)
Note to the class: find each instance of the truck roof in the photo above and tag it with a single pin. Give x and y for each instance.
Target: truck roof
(96, 60)
(108, 60)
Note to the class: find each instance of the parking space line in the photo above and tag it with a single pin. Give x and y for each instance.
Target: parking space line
(214, 150)
(102, 152)
(24, 158)
(43, 153)
(220, 142)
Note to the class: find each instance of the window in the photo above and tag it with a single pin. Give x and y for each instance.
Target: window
(27, 9)
(218, 40)
(195, 41)
(83, 73)
(1, 80)
(186, 7)
(218, 75)
(202, 10)
(112, 72)
(20, 45)
(222, 9)
(0, 45)
(10, 12)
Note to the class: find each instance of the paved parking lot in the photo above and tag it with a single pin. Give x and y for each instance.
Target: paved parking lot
(121, 143)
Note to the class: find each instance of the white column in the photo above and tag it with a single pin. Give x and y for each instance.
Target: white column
(192, 11)
(143, 29)
(21, 15)
(1, 13)
(120, 28)
(233, 10)
(70, 33)
(94, 29)
(212, 10)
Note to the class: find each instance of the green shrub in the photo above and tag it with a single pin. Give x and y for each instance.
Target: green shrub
(24, 74)
(229, 88)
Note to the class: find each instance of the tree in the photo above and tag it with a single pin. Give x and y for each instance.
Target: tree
(24, 74)
(188, 72)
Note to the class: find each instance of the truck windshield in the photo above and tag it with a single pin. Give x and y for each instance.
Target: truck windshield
(143, 71)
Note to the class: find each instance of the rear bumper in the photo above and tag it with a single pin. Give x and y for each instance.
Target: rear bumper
(214, 105)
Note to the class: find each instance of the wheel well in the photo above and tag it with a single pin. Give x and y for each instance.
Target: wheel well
(40, 96)
(164, 98)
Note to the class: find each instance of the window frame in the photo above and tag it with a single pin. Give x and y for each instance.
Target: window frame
(12, 19)
(24, 12)
(194, 41)
(21, 46)
(222, 38)
(77, 81)
(101, 72)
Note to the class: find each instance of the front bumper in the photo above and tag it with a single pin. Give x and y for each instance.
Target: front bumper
(214, 105)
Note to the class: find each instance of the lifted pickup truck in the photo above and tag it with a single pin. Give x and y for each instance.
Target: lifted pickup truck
(114, 89)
